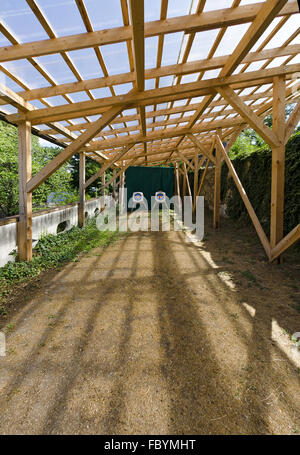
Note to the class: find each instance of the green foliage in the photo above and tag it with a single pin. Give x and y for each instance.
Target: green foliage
(91, 167)
(60, 181)
(53, 251)
(254, 171)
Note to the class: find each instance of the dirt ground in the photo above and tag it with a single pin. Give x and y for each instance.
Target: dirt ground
(154, 335)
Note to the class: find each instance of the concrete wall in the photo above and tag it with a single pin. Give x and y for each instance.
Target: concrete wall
(45, 222)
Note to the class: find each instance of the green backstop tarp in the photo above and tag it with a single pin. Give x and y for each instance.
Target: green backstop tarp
(149, 180)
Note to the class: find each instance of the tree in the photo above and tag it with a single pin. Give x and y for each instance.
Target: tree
(60, 181)
(91, 167)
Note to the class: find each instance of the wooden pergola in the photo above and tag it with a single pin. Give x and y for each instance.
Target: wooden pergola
(182, 123)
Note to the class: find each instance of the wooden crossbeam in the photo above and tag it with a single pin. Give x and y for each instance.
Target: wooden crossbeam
(137, 20)
(266, 14)
(182, 69)
(263, 18)
(130, 163)
(8, 96)
(149, 97)
(249, 116)
(203, 177)
(106, 166)
(260, 232)
(168, 133)
(73, 148)
(191, 23)
(285, 243)
(292, 122)
(201, 147)
(189, 163)
(187, 180)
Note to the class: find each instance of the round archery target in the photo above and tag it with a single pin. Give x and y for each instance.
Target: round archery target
(138, 196)
(160, 196)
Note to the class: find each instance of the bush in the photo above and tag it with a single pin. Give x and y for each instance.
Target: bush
(53, 251)
(254, 171)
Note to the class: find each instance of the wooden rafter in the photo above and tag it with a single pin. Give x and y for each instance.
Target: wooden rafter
(182, 122)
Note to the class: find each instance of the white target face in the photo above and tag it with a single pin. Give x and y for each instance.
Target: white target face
(160, 196)
(138, 196)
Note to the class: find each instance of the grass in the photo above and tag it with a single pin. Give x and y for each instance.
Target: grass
(52, 251)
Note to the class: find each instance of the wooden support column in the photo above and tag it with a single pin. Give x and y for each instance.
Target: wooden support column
(122, 186)
(81, 206)
(203, 177)
(114, 184)
(196, 170)
(217, 189)
(278, 163)
(25, 198)
(103, 184)
(177, 190)
(184, 182)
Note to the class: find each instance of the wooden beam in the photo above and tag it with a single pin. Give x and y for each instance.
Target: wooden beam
(285, 243)
(217, 187)
(292, 122)
(73, 148)
(278, 163)
(121, 172)
(114, 189)
(137, 20)
(187, 180)
(196, 171)
(263, 18)
(168, 133)
(103, 178)
(81, 205)
(254, 121)
(186, 161)
(25, 197)
(177, 191)
(260, 232)
(178, 70)
(201, 148)
(268, 11)
(107, 165)
(203, 177)
(191, 23)
(149, 97)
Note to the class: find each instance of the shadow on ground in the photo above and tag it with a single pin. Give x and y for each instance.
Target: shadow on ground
(154, 335)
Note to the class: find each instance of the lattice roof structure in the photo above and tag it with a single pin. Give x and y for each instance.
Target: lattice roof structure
(147, 82)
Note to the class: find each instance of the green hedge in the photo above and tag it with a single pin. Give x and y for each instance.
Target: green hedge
(254, 172)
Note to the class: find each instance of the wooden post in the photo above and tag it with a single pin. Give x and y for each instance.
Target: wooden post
(103, 184)
(25, 198)
(278, 163)
(203, 177)
(217, 192)
(114, 184)
(176, 180)
(196, 169)
(81, 205)
(184, 182)
(122, 188)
